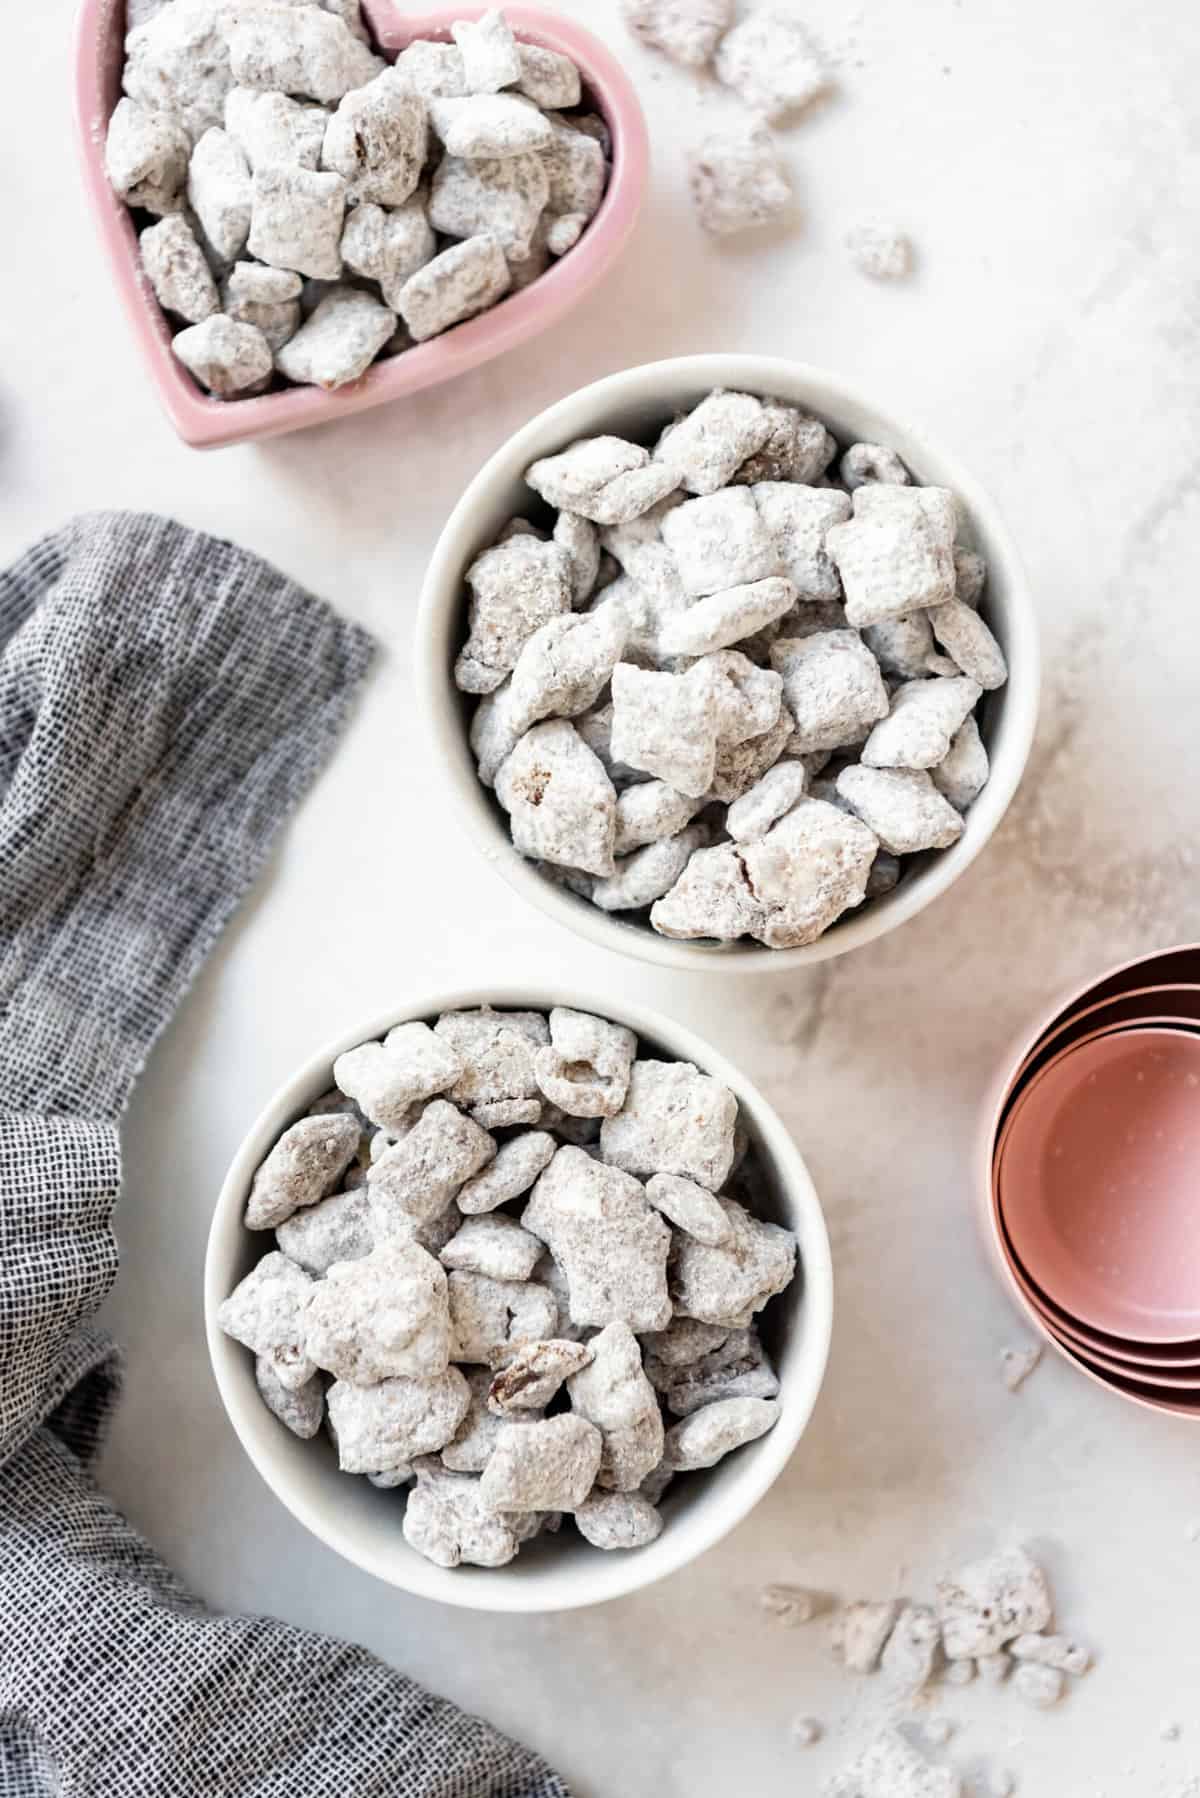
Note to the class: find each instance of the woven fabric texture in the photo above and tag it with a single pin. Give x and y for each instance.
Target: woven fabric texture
(165, 702)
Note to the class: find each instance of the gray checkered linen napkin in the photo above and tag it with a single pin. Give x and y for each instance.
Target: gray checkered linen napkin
(165, 701)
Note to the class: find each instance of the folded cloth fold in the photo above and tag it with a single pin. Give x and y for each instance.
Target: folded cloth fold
(165, 702)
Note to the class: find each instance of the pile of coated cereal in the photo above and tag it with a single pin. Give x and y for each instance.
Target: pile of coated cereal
(317, 207)
(517, 1271)
(726, 683)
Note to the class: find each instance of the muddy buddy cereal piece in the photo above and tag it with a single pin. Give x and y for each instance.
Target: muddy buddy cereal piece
(383, 1315)
(177, 63)
(581, 540)
(551, 81)
(389, 246)
(664, 724)
(711, 898)
(908, 1658)
(146, 156)
(592, 478)
(892, 559)
(727, 617)
(487, 1316)
(576, 169)
(446, 1521)
(968, 642)
(471, 1447)
(435, 70)
(492, 1245)
(792, 1605)
(386, 1079)
(177, 269)
(491, 59)
(611, 1246)
(991, 1603)
(807, 870)
(833, 688)
(737, 1369)
(771, 798)
(770, 60)
(860, 1632)
(797, 519)
(220, 192)
(227, 358)
(268, 298)
(377, 141)
(464, 280)
(717, 1430)
(970, 571)
(739, 765)
(738, 180)
(517, 1165)
(380, 1428)
(268, 1312)
(533, 1373)
(719, 541)
(493, 735)
(414, 1180)
(505, 198)
(305, 1164)
(296, 220)
(684, 1341)
(797, 449)
(490, 126)
(339, 340)
(690, 1208)
(892, 1768)
(688, 31)
(1039, 1685)
(707, 446)
(585, 1070)
(651, 812)
(613, 1393)
(730, 1284)
(299, 50)
(879, 252)
(302, 1411)
(566, 664)
(496, 1048)
(546, 1466)
(675, 1120)
(650, 873)
(867, 462)
(561, 804)
(516, 587)
(903, 808)
(1060, 1652)
(336, 1229)
(273, 129)
(963, 772)
(925, 717)
(904, 646)
(612, 1520)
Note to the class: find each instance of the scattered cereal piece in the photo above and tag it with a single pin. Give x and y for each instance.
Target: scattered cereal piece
(304, 1166)
(227, 358)
(612, 1520)
(1060, 1652)
(1017, 1364)
(770, 60)
(380, 1316)
(561, 804)
(688, 31)
(860, 1633)
(301, 1409)
(792, 1605)
(729, 1285)
(968, 641)
(911, 1649)
(546, 1466)
(739, 180)
(1001, 1783)
(613, 1393)
(902, 806)
(268, 1312)
(446, 1520)
(177, 269)
(1039, 1686)
(990, 1603)
(925, 718)
(892, 1768)
(715, 1431)
(533, 1373)
(335, 1229)
(879, 252)
(611, 1246)
(806, 1732)
(146, 156)
(490, 126)
(414, 1180)
(464, 280)
(494, 1245)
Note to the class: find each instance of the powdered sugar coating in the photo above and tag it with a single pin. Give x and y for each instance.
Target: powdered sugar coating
(304, 1166)
(688, 31)
(903, 808)
(546, 1466)
(675, 1120)
(338, 341)
(382, 1315)
(716, 1430)
(924, 718)
(382, 1427)
(268, 1312)
(146, 156)
(738, 180)
(178, 270)
(227, 358)
(611, 1246)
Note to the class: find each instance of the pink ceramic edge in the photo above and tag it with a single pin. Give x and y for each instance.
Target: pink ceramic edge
(206, 423)
(1067, 1020)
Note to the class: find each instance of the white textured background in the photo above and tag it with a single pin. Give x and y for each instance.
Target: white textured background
(1045, 159)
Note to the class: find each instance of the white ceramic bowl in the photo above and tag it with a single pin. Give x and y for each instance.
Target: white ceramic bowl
(638, 403)
(553, 1574)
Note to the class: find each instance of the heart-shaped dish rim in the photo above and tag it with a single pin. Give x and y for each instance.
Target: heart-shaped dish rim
(208, 423)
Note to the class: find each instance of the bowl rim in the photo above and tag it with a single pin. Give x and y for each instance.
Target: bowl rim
(473, 805)
(207, 423)
(614, 1576)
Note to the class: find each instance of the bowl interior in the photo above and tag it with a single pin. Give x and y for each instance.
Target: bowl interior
(1168, 1005)
(206, 422)
(637, 405)
(552, 1573)
(1094, 1177)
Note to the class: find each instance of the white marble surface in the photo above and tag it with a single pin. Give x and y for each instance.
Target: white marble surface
(1045, 160)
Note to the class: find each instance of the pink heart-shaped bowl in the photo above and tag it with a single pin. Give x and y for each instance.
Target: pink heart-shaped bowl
(207, 423)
